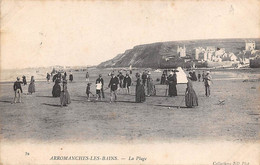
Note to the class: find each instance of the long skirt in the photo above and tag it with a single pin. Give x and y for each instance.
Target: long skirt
(191, 98)
(139, 94)
(172, 90)
(151, 89)
(64, 98)
(56, 90)
(31, 88)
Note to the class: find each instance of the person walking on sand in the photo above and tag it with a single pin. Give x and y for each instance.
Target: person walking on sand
(31, 88)
(88, 91)
(150, 86)
(56, 90)
(64, 95)
(191, 98)
(139, 90)
(172, 81)
(71, 77)
(48, 77)
(101, 80)
(87, 77)
(99, 87)
(144, 77)
(127, 83)
(113, 85)
(24, 80)
(17, 90)
(203, 76)
(207, 83)
(199, 76)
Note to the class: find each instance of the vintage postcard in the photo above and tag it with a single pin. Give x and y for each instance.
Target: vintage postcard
(130, 82)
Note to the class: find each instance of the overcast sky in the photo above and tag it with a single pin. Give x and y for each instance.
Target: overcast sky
(89, 32)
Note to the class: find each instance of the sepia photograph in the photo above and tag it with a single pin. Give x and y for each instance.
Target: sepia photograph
(130, 82)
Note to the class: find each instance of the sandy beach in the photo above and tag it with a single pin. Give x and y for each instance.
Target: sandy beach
(40, 118)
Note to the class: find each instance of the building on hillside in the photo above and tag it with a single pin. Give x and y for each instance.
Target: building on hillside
(198, 51)
(181, 51)
(250, 45)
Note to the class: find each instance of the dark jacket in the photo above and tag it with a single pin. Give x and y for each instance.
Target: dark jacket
(113, 84)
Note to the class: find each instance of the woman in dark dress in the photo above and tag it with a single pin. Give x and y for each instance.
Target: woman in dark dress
(191, 98)
(139, 91)
(56, 90)
(64, 95)
(24, 80)
(31, 88)
(172, 81)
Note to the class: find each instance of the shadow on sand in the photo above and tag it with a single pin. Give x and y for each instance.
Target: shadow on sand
(3, 101)
(170, 106)
(46, 96)
(53, 105)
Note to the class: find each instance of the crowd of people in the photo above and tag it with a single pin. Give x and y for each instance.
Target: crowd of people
(144, 87)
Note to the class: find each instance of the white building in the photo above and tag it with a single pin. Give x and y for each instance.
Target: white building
(181, 51)
(250, 45)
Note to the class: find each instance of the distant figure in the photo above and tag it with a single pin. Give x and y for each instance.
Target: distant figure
(163, 79)
(193, 76)
(71, 77)
(88, 91)
(127, 83)
(65, 75)
(64, 95)
(172, 81)
(113, 85)
(207, 83)
(203, 76)
(87, 77)
(139, 90)
(56, 90)
(24, 80)
(121, 79)
(144, 78)
(150, 86)
(191, 98)
(99, 87)
(31, 88)
(48, 77)
(199, 76)
(17, 90)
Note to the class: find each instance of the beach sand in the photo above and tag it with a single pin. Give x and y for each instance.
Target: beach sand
(40, 118)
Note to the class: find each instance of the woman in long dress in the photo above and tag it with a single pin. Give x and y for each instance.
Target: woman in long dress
(139, 91)
(150, 86)
(31, 88)
(56, 90)
(191, 98)
(64, 95)
(172, 81)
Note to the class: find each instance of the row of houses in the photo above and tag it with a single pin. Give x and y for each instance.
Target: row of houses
(215, 54)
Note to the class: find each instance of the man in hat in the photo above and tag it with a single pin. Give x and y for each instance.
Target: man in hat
(113, 85)
(17, 90)
(207, 83)
(172, 81)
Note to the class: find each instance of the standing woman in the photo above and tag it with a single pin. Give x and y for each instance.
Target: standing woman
(191, 98)
(172, 81)
(150, 86)
(31, 88)
(64, 95)
(139, 90)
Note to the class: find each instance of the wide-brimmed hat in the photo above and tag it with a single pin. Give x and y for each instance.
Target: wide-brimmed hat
(175, 70)
(208, 72)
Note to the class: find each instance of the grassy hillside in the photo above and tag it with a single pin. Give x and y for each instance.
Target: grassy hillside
(150, 55)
